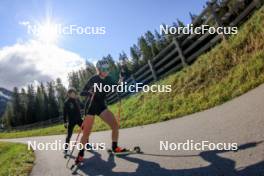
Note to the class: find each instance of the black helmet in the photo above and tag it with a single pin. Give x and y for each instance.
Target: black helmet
(71, 89)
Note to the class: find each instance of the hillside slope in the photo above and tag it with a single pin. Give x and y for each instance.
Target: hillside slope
(230, 69)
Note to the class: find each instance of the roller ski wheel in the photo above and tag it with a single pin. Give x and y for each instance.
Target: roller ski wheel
(137, 149)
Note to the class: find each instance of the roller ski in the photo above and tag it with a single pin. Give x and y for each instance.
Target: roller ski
(122, 152)
(79, 159)
(67, 154)
(78, 162)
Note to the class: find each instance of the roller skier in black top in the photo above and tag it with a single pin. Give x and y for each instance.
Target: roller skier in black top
(98, 107)
(71, 114)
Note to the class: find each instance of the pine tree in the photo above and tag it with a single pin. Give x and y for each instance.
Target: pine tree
(84, 75)
(192, 16)
(123, 59)
(74, 80)
(61, 93)
(81, 73)
(150, 38)
(124, 65)
(135, 54)
(53, 103)
(161, 41)
(31, 109)
(16, 102)
(7, 118)
(180, 23)
(24, 101)
(89, 70)
(145, 50)
(46, 112)
(39, 104)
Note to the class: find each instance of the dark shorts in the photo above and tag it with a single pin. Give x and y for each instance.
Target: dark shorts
(96, 108)
(77, 121)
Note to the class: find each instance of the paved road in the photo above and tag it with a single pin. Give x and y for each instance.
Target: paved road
(238, 121)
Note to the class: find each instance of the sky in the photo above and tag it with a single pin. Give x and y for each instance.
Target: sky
(27, 57)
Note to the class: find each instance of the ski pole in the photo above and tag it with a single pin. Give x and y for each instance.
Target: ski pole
(119, 110)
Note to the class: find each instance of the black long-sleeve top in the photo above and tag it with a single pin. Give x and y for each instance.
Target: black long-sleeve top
(99, 96)
(71, 110)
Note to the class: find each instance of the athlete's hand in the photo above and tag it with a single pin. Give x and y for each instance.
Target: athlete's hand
(66, 125)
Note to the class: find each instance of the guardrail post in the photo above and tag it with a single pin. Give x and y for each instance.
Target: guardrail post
(178, 47)
(152, 70)
(133, 79)
(218, 21)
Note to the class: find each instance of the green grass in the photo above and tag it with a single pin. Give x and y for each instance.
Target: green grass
(228, 70)
(15, 159)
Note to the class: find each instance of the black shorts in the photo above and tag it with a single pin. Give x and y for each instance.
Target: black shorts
(96, 108)
(74, 122)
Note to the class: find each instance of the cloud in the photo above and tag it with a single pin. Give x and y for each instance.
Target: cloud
(24, 23)
(33, 61)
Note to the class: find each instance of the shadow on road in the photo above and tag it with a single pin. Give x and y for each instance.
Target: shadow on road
(219, 166)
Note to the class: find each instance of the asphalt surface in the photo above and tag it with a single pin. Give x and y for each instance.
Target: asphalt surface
(240, 121)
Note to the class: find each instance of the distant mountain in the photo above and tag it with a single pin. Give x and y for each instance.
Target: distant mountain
(5, 97)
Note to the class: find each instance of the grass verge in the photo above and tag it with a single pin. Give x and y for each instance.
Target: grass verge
(228, 70)
(15, 159)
